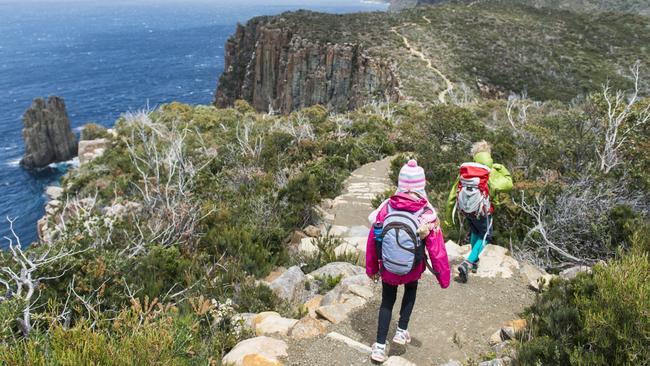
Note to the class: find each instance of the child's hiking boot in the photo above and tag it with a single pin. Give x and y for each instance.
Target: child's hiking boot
(475, 266)
(378, 352)
(463, 271)
(402, 337)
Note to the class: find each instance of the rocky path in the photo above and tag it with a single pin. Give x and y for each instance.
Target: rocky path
(442, 96)
(462, 322)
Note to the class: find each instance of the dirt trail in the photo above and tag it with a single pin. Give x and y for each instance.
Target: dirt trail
(453, 323)
(442, 96)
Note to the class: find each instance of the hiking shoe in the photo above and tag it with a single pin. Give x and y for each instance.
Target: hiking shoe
(378, 352)
(402, 337)
(463, 270)
(475, 266)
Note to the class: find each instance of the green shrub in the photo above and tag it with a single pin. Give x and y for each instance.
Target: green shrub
(597, 319)
(93, 131)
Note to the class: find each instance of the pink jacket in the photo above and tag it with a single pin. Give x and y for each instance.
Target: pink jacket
(435, 245)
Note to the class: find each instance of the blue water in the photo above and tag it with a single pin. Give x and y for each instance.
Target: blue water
(105, 58)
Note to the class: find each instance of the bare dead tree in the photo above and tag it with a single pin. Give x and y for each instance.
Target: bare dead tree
(249, 145)
(159, 153)
(297, 126)
(620, 121)
(563, 231)
(22, 275)
(517, 111)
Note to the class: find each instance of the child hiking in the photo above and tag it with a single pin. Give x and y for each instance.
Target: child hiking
(474, 196)
(405, 229)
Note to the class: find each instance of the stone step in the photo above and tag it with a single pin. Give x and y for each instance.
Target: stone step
(350, 342)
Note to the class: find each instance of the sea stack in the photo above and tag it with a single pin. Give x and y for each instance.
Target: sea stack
(47, 133)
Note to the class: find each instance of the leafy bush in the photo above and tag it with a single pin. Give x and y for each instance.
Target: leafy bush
(93, 131)
(594, 319)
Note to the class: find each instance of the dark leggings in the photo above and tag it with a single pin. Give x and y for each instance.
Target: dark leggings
(388, 297)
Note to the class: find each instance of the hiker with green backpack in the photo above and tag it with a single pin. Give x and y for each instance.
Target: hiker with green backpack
(474, 196)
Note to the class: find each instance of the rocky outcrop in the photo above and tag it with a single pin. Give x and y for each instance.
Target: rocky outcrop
(271, 67)
(47, 133)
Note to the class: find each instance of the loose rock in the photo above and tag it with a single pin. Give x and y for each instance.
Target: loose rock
(290, 285)
(312, 231)
(307, 327)
(265, 347)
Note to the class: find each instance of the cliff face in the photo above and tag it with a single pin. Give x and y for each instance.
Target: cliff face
(272, 67)
(47, 133)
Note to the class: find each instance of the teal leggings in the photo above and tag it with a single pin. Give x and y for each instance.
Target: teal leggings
(480, 234)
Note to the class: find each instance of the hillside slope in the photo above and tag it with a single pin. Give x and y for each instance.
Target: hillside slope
(486, 49)
(627, 6)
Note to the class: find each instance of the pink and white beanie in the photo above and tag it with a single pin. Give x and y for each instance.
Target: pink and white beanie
(412, 179)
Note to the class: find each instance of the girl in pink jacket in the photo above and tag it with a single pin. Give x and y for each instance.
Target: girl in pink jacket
(410, 197)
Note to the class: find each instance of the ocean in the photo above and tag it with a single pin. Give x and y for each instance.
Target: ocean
(107, 58)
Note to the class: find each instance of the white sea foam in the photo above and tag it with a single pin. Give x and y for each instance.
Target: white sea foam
(13, 162)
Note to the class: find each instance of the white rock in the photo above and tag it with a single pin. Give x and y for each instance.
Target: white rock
(266, 347)
(345, 249)
(336, 313)
(307, 246)
(453, 252)
(307, 327)
(496, 263)
(290, 285)
(350, 342)
(274, 325)
(361, 291)
(572, 272)
(337, 230)
(358, 231)
(465, 250)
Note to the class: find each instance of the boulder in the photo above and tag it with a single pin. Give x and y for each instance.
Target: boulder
(572, 272)
(453, 252)
(290, 285)
(47, 133)
(312, 304)
(297, 237)
(307, 327)
(496, 263)
(307, 246)
(91, 149)
(358, 231)
(312, 231)
(334, 295)
(335, 313)
(465, 250)
(275, 274)
(273, 324)
(259, 360)
(54, 192)
(337, 230)
(336, 269)
(361, 291)
(265, 348)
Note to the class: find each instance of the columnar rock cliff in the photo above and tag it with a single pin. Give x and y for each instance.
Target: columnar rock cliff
(272, 67)
(47, 133)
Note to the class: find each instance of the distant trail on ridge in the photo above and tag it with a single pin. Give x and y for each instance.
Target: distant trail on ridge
(442, 96)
